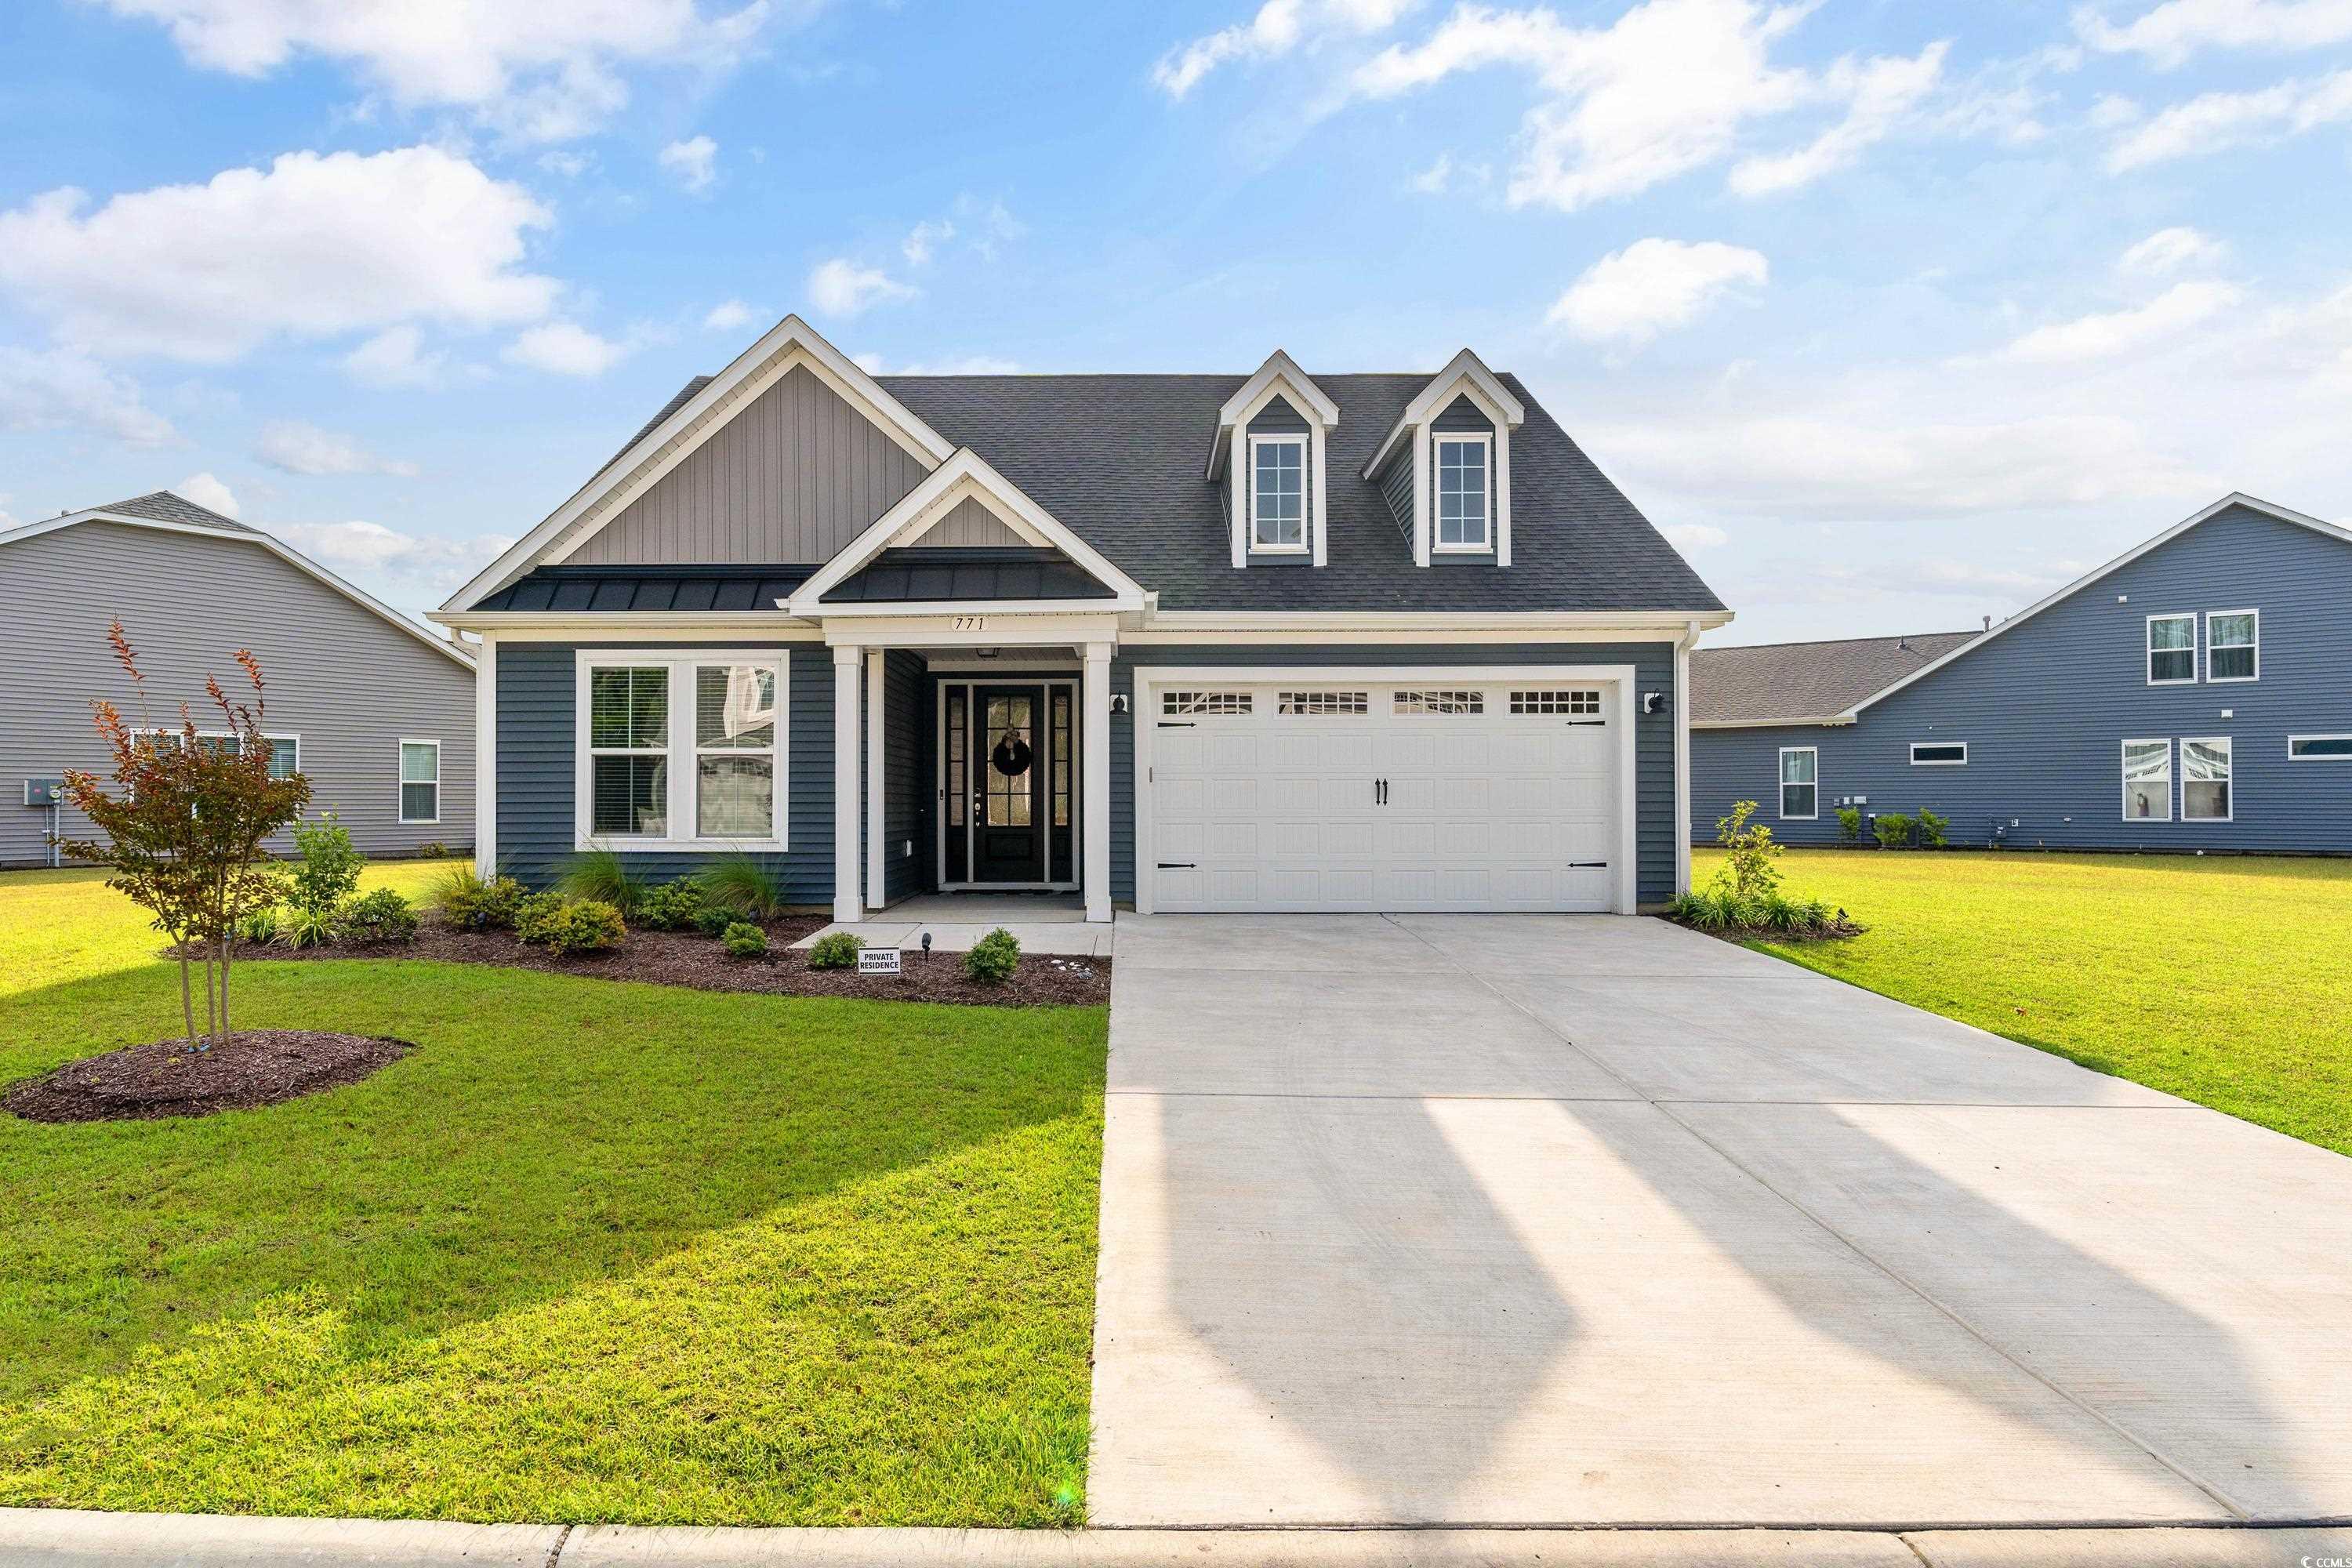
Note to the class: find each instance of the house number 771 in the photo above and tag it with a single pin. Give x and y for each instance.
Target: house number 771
(970, 623)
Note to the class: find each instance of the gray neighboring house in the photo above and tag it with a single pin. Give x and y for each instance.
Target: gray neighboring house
(377, 711)
(2193, 694)
(1263, 641)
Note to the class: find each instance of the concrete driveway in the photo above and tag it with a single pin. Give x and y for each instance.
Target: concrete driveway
(1527, 1219)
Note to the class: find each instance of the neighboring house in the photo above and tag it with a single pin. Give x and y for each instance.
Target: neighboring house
(1270, 641)
(2194, 694)
(376, 710)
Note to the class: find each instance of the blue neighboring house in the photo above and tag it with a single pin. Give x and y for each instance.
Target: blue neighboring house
(2193, 694)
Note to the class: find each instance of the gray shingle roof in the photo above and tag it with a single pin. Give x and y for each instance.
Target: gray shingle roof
(1806, 680)
(163, 506)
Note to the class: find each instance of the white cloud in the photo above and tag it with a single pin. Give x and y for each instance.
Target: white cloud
(693, 164)
(1690, 536)
(2113, 332)
(313, 247)
(399, 568)
(924, 238)
(1278, 28)
(2213, 121)
(394, 358)
(297, 447)
(2170, 249)
(2170, 34)
(207, 491)
(1630, 295)
(565, 348)
(729, 316)
(1432, 181)
(544, 72)
(1878, 93)
(841, 288)
(62, 389)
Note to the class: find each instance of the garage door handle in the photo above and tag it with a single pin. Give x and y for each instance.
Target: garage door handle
(1595, 724)
(1588, 865)
(1178, 725)
(1176, 866)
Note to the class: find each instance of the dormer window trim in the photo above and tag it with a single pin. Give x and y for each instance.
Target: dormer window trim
(1466, 376)
(1486, 443)
(1230, 453)
(1303, 441)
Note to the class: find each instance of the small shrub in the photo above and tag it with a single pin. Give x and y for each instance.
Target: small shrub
(535, 914)
(260, 926)
(839, 951)
(743, 883)
(1850, 824)
(1932, 828)
(711, 919)
(381, 916)
(585, 925)
(673, 906)
(1714, 910)
(1749, 853)
(464, 900)
(309, 927)
(432, 849)
(329, 871)
(993, 957)
(744, 940)
(1894, 829)
(602, 877)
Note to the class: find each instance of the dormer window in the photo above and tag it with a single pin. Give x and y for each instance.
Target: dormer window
(1464, 493)
(1279, 493)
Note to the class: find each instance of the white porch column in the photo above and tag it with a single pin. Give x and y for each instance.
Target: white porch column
(846, 905)
(486, 756)
(875, 858)
(1096, 726)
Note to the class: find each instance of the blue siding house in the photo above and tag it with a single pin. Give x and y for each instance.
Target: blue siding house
(2194, 694)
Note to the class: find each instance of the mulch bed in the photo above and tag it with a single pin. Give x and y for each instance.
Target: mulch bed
(681, 958)
(242, 1071)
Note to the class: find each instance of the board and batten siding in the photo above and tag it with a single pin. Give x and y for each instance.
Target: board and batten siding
(2046, 706)
(537, 763)
(1654, 735)
(351, 684)
(790, 478)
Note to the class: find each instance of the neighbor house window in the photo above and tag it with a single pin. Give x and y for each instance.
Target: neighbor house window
(1939, 753)
(1277, 492)
(1462, 492)
(2232, 644)
(285, 755)
(2205, 779)
(2171, 651)
(2320, 748)
(734, 751)
(2147, 781)
(1800, 788)
(420, 781)
(685, 750)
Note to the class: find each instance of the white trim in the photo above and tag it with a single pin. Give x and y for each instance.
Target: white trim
(1020, 674)
(877, 783)
(1464, 372)
(1300, 439)
(1586, 626)
(486, 758)
(1959, 761)
(2123, 775)
(658, 625)
(1683, 645)
(965, 473)
(679, 749)
(2229, 784)
(1831, 722)
(251, 536)
(1786, 783)
(1093, 718)
(2322, 757)
(1278, 371)
(2149, 647)
(2213, 679)
(2235, 497)
(273, 736)
(847, 659)
(400, 788)
(1148, 679)
(1484, 441)
(791, 344)
(1278, 377)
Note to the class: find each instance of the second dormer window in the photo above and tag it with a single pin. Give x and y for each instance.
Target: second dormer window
(1277, 492)
(1462, 492)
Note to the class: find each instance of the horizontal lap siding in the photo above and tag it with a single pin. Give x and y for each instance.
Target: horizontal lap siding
(2046, 710)
(1653, 754)
(536, 779)
(907, 763)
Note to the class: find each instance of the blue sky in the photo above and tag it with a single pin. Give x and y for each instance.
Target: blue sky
(1892, 314)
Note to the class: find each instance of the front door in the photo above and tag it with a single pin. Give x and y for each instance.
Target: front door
(1008, 784)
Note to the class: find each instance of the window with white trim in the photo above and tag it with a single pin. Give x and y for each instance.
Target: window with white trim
(1322, 703)
(420, 781)
(2232, 644)
(1195, 704)
(1939, 753)
(684, 750)
(734, 751)
(2147, 781)
(1465, 492)
(629, 750)
(1440, 703)
(2320, 748)
(2205, 779)
(1580, 703)
(1278, 481)
(1800, 785)
(2171, 651)
(285, 755)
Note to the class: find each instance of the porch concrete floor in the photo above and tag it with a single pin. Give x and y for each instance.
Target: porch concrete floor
(1042, 922)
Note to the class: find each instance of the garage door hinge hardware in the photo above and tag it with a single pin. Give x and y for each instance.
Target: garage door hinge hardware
(1588, 865)
(1178, 866)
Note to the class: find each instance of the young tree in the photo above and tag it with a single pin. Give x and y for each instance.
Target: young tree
(184, 823)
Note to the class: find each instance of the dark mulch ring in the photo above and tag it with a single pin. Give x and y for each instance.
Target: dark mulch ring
(686, 958)
(1839, 930)
(242, 1071)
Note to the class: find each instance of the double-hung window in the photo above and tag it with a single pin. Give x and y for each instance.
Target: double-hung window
(420, 781)
(285, 755)
(1277, 492)
(2205, 779)
(2147, 781)
(1465, 493)
(2232, 644)
(1800, 788)
(2171, 651)
(681, 751)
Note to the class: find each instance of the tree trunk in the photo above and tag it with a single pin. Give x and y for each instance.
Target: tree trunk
(226, 1028)
(212, 1001)
(187, 994)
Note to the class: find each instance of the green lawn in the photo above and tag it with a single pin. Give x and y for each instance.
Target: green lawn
(2222, 980)
(595, 1251)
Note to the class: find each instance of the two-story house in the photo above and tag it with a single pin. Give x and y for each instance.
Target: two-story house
(2194, 693)
(1251, 642)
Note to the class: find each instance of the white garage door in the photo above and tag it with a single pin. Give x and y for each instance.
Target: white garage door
(1312, 795)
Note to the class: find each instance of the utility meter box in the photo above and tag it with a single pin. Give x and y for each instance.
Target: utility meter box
(45, 791)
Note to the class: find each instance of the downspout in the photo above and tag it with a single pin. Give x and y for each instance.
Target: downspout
(1683, 645)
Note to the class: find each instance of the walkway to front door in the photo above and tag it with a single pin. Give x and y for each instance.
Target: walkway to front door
(1529, 1219)
(1044, 922)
